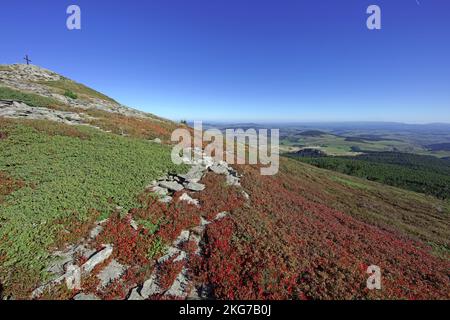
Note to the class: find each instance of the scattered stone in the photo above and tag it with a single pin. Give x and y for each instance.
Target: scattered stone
(57, 267)
(153, 184)
(246, 195)
(98, 258)
(86, 297)
(188, 199)
(194, 186)
(14, 109)
(195, 174)
(219, 169)
(112, 272)
(171, 185)
(157, 140)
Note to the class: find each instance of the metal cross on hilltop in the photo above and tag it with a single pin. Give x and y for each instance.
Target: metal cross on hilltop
(27, 59)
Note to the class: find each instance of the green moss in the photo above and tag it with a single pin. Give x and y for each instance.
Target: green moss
(66, 175)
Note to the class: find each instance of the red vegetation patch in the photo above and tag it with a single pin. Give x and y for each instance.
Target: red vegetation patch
(3, 135)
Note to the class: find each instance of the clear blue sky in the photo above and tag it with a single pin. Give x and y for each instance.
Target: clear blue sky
(242, 60)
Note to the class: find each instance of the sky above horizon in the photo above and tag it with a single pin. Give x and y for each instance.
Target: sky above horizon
(246, 60)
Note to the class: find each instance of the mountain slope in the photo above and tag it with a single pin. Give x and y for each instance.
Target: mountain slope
(71, 157)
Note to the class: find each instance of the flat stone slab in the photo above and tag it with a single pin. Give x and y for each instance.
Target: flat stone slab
(171, 185)
(159, 191)
(97, 258)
